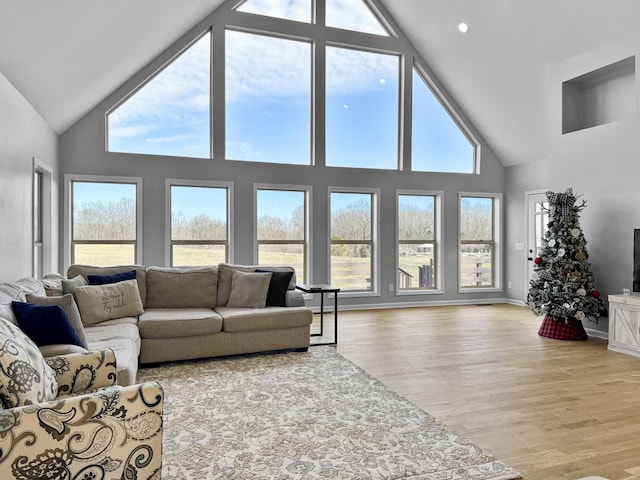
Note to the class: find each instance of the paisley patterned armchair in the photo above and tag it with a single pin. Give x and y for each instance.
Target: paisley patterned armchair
(65, 417)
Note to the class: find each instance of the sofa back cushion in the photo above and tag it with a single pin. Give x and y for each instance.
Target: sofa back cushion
(225, 277)
(86, 270)
(9, 293)
(17, 292)
(179, 287)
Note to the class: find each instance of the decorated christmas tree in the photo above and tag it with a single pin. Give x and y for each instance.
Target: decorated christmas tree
(563, 288)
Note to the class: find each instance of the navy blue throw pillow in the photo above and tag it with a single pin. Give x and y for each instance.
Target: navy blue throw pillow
(278, 286)
(45, 324)
(115, 278)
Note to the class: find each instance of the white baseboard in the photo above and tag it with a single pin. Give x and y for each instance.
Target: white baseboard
(328, 307)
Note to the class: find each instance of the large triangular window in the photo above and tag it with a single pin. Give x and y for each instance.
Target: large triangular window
(299, 10)
(169, 114)
(353, 15)
(437, 142)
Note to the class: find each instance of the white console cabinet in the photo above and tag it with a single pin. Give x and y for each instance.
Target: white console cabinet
(624, 324)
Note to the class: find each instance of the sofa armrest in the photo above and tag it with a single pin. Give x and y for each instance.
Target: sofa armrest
(115, 432)
(83, 372)
(294, 298)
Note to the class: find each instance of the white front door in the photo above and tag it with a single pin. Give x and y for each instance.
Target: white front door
(537, 220)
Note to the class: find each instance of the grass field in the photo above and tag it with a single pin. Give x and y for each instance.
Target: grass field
(349, 273)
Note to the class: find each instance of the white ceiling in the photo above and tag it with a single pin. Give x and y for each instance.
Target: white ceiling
(65, 56)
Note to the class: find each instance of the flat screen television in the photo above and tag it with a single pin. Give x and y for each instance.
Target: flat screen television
(636, 260)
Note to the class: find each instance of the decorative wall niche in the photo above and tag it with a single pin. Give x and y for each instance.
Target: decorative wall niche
(604, 95)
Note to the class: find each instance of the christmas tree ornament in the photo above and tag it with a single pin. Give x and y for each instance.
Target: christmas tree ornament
(563, 288)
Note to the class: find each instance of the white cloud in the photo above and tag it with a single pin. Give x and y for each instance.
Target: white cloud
(299, 10)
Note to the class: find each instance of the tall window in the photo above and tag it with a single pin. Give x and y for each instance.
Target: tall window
(170, 114)
(417, 241)
(478, 240)
(268, 99)
(353, 235)
(437, 142)
(104, 222)
(362, 109)
(282, 227)
(199, 224)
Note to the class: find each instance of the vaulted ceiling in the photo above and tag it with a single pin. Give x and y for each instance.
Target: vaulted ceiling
(65, 56)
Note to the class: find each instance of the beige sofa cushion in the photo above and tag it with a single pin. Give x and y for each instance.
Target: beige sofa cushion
(179, 322)
(98, 303)
(86, 270)
(194, 287)
(236, 320)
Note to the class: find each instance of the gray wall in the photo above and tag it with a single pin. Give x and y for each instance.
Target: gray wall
(23, 135)
(83, 152)
(518, 180)
(602, 164)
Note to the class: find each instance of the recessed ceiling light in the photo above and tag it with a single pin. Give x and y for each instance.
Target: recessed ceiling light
(463, 27)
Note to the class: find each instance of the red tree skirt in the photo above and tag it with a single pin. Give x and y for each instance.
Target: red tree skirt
(572, 329)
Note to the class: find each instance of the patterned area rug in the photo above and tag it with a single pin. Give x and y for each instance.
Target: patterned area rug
(312, 415)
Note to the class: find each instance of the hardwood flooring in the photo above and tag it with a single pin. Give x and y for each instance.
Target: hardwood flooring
(551, 409)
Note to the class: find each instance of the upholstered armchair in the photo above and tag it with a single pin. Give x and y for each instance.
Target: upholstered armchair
(65, 417)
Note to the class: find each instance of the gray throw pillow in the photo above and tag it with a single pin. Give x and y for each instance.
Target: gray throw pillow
(69, 306)
(249, 290)
(70, 285)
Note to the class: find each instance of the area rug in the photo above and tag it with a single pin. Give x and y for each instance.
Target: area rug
(312, 415)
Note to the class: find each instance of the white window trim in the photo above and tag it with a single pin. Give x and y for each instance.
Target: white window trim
(175, 182)
(439, 273)
(46, 208)
(497, 243)
(308, 192)
(68, 179)
(375, 237)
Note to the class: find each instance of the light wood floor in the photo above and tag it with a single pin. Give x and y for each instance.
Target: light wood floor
(551, 409)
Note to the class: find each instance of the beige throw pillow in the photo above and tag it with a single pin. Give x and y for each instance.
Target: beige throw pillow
(249, 290)
(98, 303)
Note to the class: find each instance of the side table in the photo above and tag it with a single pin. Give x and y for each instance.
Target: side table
(322, 289)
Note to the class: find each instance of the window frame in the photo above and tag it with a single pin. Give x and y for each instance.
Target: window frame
(496, 254)
(69, 180)
(438, 273)
(375, 239)
(307, 190)
(169, 242)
